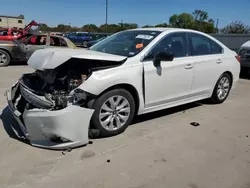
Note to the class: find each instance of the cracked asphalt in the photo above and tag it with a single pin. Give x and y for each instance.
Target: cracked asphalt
(160, 149)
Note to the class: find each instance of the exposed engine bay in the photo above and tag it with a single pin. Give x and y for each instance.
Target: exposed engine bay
(52, 87)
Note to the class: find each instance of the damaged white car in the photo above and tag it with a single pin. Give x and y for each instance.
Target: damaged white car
(129, 73)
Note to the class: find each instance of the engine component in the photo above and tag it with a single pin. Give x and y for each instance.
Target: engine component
(74, 83)
(60, 99)
(79, 97)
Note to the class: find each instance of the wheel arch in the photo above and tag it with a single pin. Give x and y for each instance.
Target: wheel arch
(7, 51)
(231, 76)
(130, 88)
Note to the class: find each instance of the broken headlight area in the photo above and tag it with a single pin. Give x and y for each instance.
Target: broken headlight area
(53, 91)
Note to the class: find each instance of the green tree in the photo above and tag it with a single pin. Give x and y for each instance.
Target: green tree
(198, 20)
(44, 27)
(162, 25)
(112, 28)
(184, 20)
(147, 26)
(236, 27)
(125, 26)
(202, 22)
(90, 28)
(200, 15)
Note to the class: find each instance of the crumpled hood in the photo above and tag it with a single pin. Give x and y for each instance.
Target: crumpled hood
(52, 58)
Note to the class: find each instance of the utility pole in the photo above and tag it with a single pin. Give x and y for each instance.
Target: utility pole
(217, 23)
(121, 24)
(106, 28)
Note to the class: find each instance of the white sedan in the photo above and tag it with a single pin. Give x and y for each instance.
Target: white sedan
(131, 72)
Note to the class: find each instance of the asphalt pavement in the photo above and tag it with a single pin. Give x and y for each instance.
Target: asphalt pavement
(160, 149)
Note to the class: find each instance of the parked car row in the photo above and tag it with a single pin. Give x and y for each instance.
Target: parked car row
(82, 38)
(21, 48)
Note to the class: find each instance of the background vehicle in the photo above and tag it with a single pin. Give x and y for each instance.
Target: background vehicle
(244, 53)
(57, 33)
(22, 48)
(129, 73)
(79, 38)
(92, 42)
(12, 34)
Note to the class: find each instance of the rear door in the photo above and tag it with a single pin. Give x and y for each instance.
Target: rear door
(57, 42)
(209, 63)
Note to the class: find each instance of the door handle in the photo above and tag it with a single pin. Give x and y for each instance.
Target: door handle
(189, 66)
(218, 61)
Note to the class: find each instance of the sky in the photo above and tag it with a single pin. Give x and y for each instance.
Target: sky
(142, 12)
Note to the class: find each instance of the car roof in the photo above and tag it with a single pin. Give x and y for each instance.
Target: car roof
(40, 34)
(163, 29)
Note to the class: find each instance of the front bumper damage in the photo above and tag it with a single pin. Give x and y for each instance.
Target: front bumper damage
(60, 129)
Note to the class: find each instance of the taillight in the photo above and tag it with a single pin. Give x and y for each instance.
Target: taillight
(238, 58)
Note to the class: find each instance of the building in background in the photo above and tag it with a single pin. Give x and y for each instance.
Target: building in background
(12, 22)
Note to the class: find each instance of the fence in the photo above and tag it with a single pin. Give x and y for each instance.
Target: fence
(232, 41)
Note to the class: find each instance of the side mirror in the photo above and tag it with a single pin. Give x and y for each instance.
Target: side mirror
(162, 56)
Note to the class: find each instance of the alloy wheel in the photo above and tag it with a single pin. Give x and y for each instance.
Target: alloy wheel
(223, 88)
(114, 113)
(3, 58)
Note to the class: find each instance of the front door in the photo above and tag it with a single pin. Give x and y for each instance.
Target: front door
(34, 43)
(172, 80)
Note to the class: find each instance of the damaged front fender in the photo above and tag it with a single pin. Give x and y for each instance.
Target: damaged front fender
(58, 129)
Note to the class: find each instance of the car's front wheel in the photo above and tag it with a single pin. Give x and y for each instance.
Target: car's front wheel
(222, 89)
(114, 111)
(4, 58)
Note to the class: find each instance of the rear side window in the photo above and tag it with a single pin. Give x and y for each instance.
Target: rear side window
(57, 41)
(201, 45)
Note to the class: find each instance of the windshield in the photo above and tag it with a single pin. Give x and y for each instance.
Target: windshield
(126, 43)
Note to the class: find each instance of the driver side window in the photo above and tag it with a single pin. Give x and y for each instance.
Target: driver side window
(174, 43)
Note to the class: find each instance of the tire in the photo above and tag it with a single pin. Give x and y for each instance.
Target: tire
(219, 95)
(103, 115)
(4, 58)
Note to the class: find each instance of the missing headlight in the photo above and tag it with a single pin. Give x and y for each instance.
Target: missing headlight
(79, 97)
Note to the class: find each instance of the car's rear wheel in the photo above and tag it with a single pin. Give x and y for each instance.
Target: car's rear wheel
(222, 89)
(114, 111)
(4, 58)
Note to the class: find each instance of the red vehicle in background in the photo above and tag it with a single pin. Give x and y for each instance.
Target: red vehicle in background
(12, 34)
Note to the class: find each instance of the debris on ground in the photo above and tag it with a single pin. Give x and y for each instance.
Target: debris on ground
(195, 124)
(90, 142)
(108, 161)
(246, 135)
(93, 133)
(66, 150)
